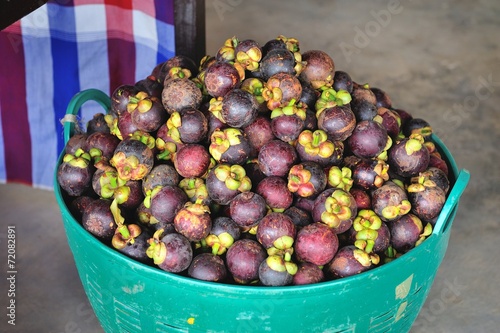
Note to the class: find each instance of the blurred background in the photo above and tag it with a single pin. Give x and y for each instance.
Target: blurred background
(438, 60)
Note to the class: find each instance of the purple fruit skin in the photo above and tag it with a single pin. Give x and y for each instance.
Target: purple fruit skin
(307, 274)
(273, 226)
(98, 220)
(276, 157)
(404, 233)
(345, 264)
(167, 202)
(207, 267)
(179, 253)
(270, 277)
(243, 259)
(275, 191)
(316, 243)
(247, 208)
(368, 139)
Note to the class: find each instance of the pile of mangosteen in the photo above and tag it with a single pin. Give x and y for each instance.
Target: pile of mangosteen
(260, 165)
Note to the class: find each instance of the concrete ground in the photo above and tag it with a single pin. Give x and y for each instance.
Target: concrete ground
(439, 60)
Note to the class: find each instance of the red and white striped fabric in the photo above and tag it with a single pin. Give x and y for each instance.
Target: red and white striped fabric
(58, 50)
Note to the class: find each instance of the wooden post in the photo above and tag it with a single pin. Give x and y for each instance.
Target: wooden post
(189, 22)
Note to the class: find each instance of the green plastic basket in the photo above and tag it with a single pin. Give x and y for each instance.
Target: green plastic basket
(128, 296)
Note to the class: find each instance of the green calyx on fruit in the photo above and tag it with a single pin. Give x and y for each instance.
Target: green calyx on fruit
(234, 176)
(340, 177)
(392, 212)
(179, 73)
(414, 143)
(215, 107)
(167, 149)
(125, 235)
(254, 86)
(337, 209)
(226, 52)
(128, 167)
(144, 137)
(316, 143)
(366, 224)
(426, 232)
(283, 247)
(330, 98)
(221, 140)
(157, 250)
(141, 101)
(195, 188)
(366, 259)
(291, 109)
(279, 264)
(299, 181)
(219, 243)
(249, 59)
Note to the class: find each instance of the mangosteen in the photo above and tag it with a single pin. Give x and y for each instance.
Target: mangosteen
(407, 232)
(362, 197)
(98, 219)
(349, 261)
(287, 122)
(195, 189)
(239, 108)
(226, 181)
(75, 173)
(342, 81)
(247, 208)
(160, 175)
(368, 139)
(132, 241)
(417, 126)
(243, 259)
(382, 98)
(276, 158)
(220, 78)
(229, 145)
(390, 120)
(280, 89)
(248, 54)
(191, 125)
(193, 221)
(120, 98)
(368, 174)
(319, 70)
(258, 133)
(207, 267)
(339, 177)
(105, 142)
(409, 156)
(192, 160)
(337, 121)
(436, 175)
(315, 146)
(277, 60)
(363, 92)
(330, 98)
(369, 233)
(336, 208)
(276, 271)
(223, 234)
(180, 63)
(147, 112)
(308, 273)
(426, 198)
(390, 201)
(364, 110)
(306, 179)
(166, 201)
(179, 94)
(132, 159)
(299, 216)
(172, 252)
(97, 124)
(276, 232)
(316, 243)
(275, 192)
(151, 86)
(255, 86)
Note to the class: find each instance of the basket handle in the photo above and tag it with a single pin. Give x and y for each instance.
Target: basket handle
(451, 202)
(77, 101)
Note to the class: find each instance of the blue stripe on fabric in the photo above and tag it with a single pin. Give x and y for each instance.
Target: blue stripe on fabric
(165, 29)
(39, 89)
(65, 59)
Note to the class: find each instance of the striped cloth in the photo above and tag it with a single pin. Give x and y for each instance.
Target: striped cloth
(58, 50)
